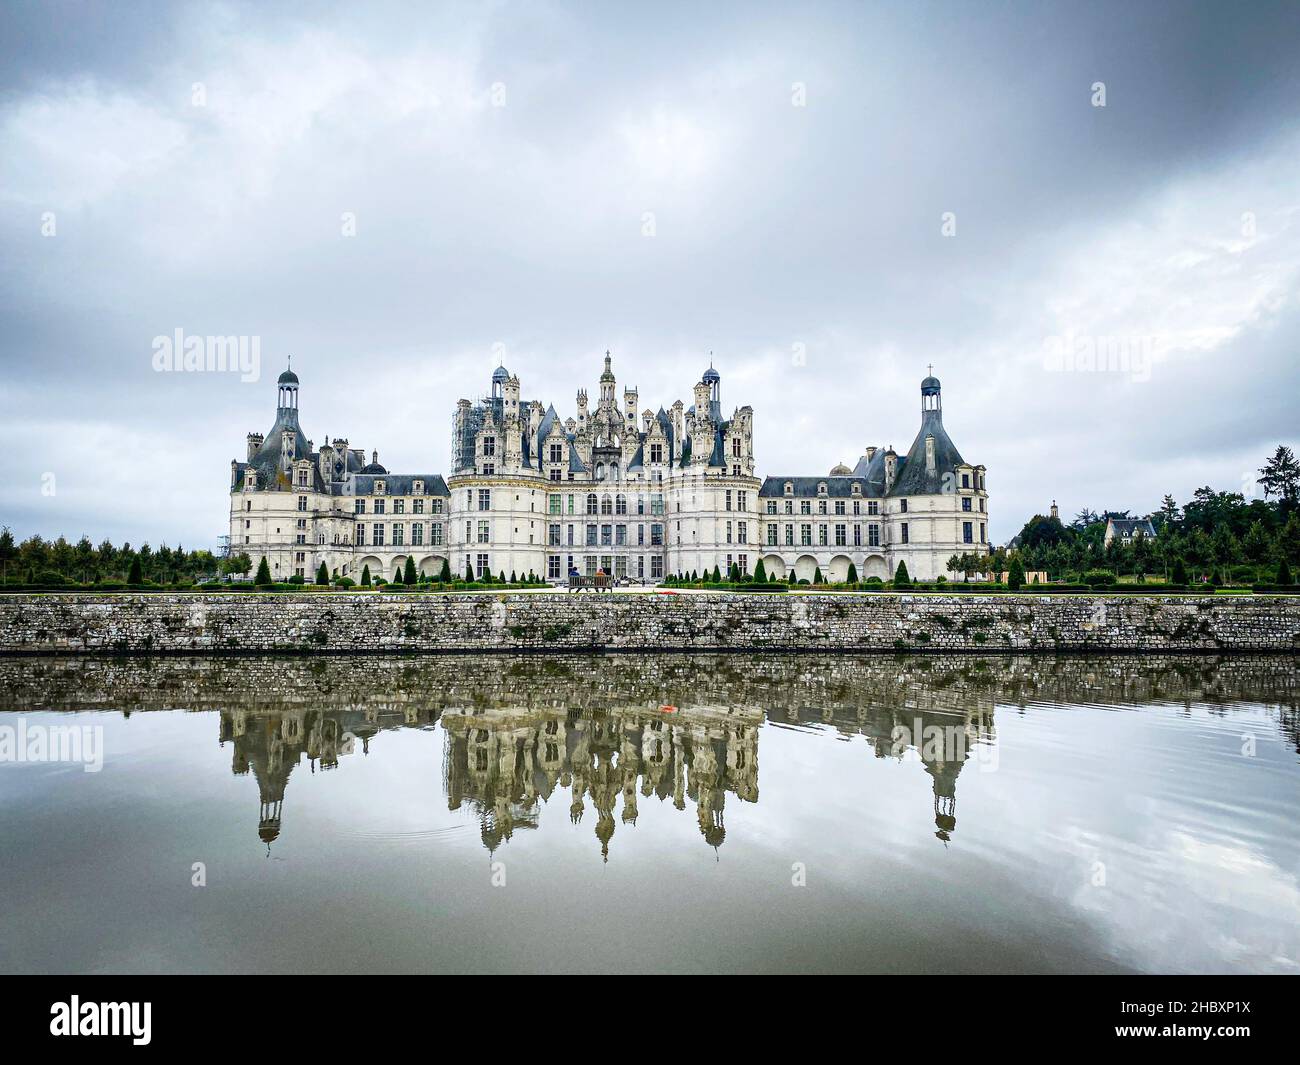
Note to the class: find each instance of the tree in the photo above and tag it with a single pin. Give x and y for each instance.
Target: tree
(263, 577)
(1016, 574)
(717, 574)
(445, 575)
(1257, 543)
(469, 573)
(1280, 476)
(817, 575)
(1168, 513)
(760, 572)
(322, 575)
(8, 552)
(853, 574)
(365, 576)
(136, 576)
(1179, 574)
(1284, 573)
(408, 574)
(901, 579)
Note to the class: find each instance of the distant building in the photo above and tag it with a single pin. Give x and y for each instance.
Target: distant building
(1127, 529)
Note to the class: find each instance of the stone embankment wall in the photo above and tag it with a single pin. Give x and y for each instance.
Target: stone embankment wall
(155, 623)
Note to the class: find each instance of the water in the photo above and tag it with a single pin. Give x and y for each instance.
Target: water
(655, 814)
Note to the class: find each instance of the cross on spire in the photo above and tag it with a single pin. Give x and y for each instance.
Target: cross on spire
(930, 368)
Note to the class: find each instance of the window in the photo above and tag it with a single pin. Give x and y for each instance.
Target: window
(417, 506)
(302, 478)
(361, 535)
(728, 532)
(789, 536)
(554, 504)
(965, 503)
(841, 536)
(485, 499)
(484, 532)
(399, 506)
(301, 538)
(656, 452)
(965, 480)
(805, 506)
(902, 506)
(593, 504)
(302, 502)
(378, 530)
(489, 446)
(822, 539)
(553, 535)
(873, 506)
(481, 565)
(789, 506)
(967, 533)
(902, 529)
(620, 504)
(735, 447)
(435, 534)
(771, 536)
(606, 536)
(591, 536)
(873, 535)
(417, 534)
(656, 535)
(741, 532)
(606, 505)
(656, 568)
(839, 506)
(857, 536)
(435, 506)
(379, 506)
(727, 506)
(982, 532)
(657, 504)
(555, 475)
(805, 535)
(557, 455)
(620, 535)
(553, 566)
(397, 535)
(771, 506)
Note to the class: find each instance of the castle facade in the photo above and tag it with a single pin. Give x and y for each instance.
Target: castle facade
(636, 495)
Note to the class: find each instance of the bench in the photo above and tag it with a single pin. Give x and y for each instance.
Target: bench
(600, 583)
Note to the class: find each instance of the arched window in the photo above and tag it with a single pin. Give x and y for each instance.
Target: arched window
(591, 503)
(606, 505)
(620, 504)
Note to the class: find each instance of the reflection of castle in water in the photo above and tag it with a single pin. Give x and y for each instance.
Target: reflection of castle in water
(615, 733)
(504, 764)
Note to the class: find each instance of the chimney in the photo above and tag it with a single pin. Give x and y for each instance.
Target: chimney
(871, 451)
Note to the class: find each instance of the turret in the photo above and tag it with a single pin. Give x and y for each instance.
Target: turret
(891, 467)
(254, 444)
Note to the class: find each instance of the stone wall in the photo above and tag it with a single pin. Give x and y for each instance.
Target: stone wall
(428, 622)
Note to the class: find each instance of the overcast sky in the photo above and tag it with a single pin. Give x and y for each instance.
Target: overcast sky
(827, 198)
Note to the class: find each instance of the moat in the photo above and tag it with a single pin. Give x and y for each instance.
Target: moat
(642, 813)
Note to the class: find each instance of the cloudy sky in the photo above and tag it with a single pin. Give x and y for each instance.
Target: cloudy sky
(826, 197)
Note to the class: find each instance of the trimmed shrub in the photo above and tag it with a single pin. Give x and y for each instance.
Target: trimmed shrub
(901, 578)
(853, 573)
(322, 575)
(408, 574)
(263, 577)
(365, 576)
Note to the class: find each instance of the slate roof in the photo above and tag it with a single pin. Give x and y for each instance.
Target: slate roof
(836, 487)
(400, 484)
(1131, 526)
(912, 478)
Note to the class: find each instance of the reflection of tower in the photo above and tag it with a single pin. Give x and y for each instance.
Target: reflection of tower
(944, 775)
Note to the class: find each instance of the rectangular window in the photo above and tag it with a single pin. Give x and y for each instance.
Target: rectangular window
(903, 530)
(554, 504)
(965, 480)
(435, 534)
(841, 536)
(728, 532)
(873, 535)
(742, 532)
(360, 506)
(620, 535)
(805, 535)
(656, 535)
(485, 499)
(728, 506)
(982, 532)
(435, 506)
(821, 536)
(591, 536)
(771, 536)
(399, 506)
(965, 503)
(607, 536)
(378, 530)
(397, 535)
(489, 445)
(771, 506)
(379, 506)
(657, 504)
(902, 506)
(417, 506)
(839, 506)
(967, 532)
(557, 455)
(417, 534)
(805, 506)
(484, 532)
(361, 535)
(553, 567)
(302, 502)
(656, 452)
(553, 535)
(481, 565)
(656, 568)
(789, 536)
(857, 536)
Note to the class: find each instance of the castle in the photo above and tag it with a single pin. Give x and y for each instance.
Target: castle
(639, 496)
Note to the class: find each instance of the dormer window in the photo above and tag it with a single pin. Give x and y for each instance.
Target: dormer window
(857, 489)
(821, 489)
(789, 488)
(379, 488)
(417, 488)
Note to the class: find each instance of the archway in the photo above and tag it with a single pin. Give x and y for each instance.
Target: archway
(775, 566)
(805, 567)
